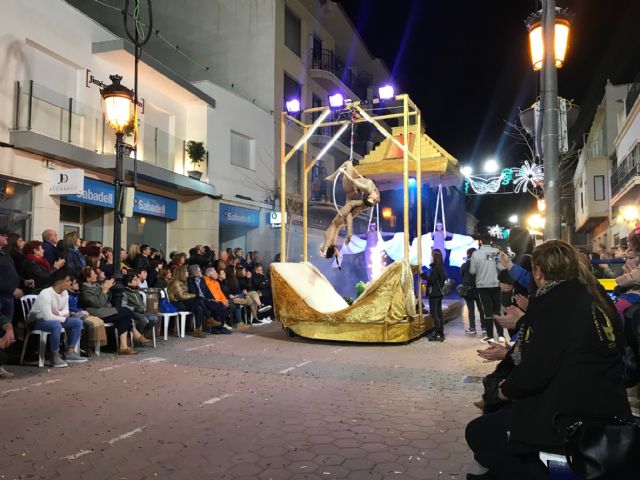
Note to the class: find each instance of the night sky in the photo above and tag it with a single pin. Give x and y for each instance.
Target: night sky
(467, 66)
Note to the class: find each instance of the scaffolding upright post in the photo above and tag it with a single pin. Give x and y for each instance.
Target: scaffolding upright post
(405, 174)
(283, 188)
(418, 138)
(305, 199)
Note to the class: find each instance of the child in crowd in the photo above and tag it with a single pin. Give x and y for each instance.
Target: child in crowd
(134, 300)
(630, 279)
(94, 331)
(507, 293)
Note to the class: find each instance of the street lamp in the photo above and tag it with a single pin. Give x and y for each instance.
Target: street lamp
(561, 37)
(491, 166)
(118, 112)
(466, 170)
(513, 219)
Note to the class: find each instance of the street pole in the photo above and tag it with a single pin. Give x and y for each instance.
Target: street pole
(549, 76)
(117, 291)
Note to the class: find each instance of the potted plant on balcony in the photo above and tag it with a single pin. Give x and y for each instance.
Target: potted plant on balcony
(196, 152)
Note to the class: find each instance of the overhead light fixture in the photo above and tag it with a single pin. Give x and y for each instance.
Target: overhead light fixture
(561, 37)
(466, 170)
(387, 213)
(118, 104)
(293, 105)
(386, 92)
(513, 219)
(491, 166)
(336, 100)
(412, 182)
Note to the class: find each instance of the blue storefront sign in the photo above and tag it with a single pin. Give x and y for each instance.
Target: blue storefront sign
(103, 195)
(245, 217)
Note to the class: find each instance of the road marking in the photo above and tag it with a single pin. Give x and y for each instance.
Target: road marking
(249, 336)
(76, 455)
(147, 360)
(287, 370)
(338, 350)
(198, 348)
(124, 435)
(26, 387)
(213, 400)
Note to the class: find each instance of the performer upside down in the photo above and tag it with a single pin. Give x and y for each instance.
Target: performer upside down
(361, 193)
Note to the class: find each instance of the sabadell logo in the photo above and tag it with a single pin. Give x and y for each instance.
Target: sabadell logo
(235, 217)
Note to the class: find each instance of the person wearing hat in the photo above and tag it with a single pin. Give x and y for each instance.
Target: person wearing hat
(9, 278)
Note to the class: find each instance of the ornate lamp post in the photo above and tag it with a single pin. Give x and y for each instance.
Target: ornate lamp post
(118, 112)
(550, 26)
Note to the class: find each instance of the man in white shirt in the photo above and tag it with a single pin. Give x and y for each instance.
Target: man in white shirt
(50, 313)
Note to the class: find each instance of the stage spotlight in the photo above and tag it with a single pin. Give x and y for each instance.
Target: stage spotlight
(293, 105)
(336, 100)
(386, 92)
(466, 170)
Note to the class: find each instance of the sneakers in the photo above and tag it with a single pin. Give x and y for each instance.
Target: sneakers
(243, 326)
(470, 331)
(58, 362)
(264, 308)
(502, 340)
(73, 357)
(486, 339)
(222, 330)
(6, 374)
(227, 327)
(267, 320)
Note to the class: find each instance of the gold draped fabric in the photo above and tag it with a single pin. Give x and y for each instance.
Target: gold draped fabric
(385, 312)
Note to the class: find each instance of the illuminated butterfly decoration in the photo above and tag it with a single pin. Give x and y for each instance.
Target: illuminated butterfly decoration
(482, 185)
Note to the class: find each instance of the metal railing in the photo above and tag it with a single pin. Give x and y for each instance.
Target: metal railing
(632, 96)
(54, 115)
(623, 173)
(323, 59)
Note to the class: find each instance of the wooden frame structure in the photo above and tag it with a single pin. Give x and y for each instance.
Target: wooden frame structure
(409, 111)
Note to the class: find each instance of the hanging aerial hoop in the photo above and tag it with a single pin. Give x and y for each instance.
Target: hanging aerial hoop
(335, 180)
(440, 206)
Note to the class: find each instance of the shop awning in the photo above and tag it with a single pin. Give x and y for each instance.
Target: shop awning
(384, 164)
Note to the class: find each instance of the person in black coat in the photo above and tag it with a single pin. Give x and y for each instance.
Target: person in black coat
(569, 364)
(35, 267)
(9, 280)
(435, 283)
(471, 298)
(262, 285)
(74, 260)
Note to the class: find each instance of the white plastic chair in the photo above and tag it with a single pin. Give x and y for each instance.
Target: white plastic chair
(26, 302)
(168, 316)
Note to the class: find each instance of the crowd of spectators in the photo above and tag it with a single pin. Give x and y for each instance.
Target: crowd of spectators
(77, 293)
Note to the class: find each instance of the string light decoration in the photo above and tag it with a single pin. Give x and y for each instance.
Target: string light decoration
(527, 178)
(496, 231)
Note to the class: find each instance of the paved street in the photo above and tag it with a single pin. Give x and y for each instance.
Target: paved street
(253, 405)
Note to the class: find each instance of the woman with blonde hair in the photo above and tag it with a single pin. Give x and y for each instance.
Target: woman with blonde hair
(74, 260)
(179, 295)
(132, 253)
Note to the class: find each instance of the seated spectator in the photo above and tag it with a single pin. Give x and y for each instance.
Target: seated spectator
(7, 339)
(107, 263)
(236, 300)
(197, 256)
(15, 245)
(238, 253)
(212, 307)
(143, 260)
(212, 281)
(49, 241)
(629, 281)
(74, 261)
(569, 363)
(179, 295)
(50, 313)
(164, 278)
(93, 327)
(142, 278)
(153, 273)
(134, 301)
(35, 267)
(262, 285)
(179, 259)
(95, 299)
(124, 262)
(246, 285)
(132, 254)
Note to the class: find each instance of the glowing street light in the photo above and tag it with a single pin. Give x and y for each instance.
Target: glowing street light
(118, 104)
(336, 100)
(387, 213)
(561, 37)
(535, 222)
(629, 213)
(466, 170)
(513, 219)
(491, 166)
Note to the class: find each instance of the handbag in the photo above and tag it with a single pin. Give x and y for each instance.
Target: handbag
(166, 306)
(464, 290)
(602, 448)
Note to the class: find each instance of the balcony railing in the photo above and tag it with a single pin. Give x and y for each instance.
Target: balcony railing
(54, 115)
(632, 96)
(626, 170)
(327, 60)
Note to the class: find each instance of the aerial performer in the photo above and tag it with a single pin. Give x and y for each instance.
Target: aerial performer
(361, 194)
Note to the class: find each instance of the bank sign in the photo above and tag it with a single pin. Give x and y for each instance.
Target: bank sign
(103, 195)
(245, 217)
